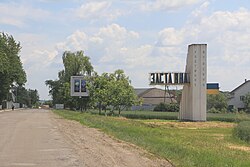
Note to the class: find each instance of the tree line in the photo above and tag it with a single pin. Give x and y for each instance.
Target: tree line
(218, 103)
(108, 90)
(12, 74)
(112, 91)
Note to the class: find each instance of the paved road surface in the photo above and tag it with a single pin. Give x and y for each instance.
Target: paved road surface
(30, 138)
(40, 138)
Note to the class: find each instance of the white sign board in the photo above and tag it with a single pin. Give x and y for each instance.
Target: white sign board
(78, 86)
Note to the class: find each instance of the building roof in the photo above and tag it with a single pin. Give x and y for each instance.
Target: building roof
(140, 91)
(246, 81)
(154, 95)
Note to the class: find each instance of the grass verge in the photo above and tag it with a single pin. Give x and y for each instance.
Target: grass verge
(184, 144)
(225, 117)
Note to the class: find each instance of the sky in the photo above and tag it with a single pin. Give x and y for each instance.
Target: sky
(138, 36)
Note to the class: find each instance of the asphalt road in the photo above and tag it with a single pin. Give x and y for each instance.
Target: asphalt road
(30, 138)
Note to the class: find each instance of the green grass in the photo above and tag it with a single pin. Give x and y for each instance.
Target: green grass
(226, 117)
(183, 146)
(242, 131)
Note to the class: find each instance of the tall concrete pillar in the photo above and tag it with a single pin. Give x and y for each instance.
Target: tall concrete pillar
(194, 98)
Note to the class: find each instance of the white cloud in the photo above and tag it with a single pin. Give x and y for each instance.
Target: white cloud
(200, 11)
(228, 32)
(116, 32)
(167, 5)
(170, 36)
(225, 31)
(114, 47)
(77, 41)
(96, 40)
(97, 10)
(17, 14)
(11, 21)
(92, 8)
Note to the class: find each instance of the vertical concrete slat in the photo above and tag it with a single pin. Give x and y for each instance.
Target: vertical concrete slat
(193, 102)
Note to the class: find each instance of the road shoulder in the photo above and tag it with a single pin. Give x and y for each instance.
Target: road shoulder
(98, 149)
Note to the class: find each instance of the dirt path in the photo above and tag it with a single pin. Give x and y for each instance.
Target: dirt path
(97, 149)
(40, 138)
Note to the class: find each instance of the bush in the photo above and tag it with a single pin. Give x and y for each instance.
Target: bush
(172, 107)
(218, 101)
(160, 107)
(213, 110)
(223, 110)
(242, 131)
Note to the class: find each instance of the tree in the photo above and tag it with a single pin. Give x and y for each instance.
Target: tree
(218, 102)
(114, 90)
(122, 93)
(99, 91)
(28, 97)
(34, 97)
(75, 64)
(11, 70)
(54, 87)
(246, 101)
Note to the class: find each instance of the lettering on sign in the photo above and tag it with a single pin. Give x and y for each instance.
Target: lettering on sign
(170, 78)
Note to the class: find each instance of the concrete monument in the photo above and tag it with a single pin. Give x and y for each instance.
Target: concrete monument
(194, 98)
(194, 95)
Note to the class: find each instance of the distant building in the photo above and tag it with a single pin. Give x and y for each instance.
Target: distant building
(238, 94)
(213, 88)
(151, 97)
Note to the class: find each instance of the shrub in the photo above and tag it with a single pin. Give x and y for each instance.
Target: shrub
(172, 107)
(213, 110)
(160, 107)
(223, 110)
(235, 110)
(242, 131)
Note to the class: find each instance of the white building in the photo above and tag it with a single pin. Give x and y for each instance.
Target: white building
(237, 95)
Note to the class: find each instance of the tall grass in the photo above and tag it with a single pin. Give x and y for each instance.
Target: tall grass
(225, 117)
(242, 131)
(183, 146)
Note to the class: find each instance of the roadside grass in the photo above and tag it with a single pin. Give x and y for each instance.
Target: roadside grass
(225, 117)
(188, 144)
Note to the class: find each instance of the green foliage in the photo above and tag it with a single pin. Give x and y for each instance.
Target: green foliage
(28, 97)
(122, 93)
(160, 107)
(75, 64)
(182, 146)
(49, 103)
(149, 115)
(246, 101)
(217, 102)
(54, 87)
(213, 110)
(99, 90)
(225, 117)
(112, 89)
(11, 70)
(242, 131)
(172, 107)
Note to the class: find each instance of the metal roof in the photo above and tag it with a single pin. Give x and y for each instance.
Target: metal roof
(240, 86)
